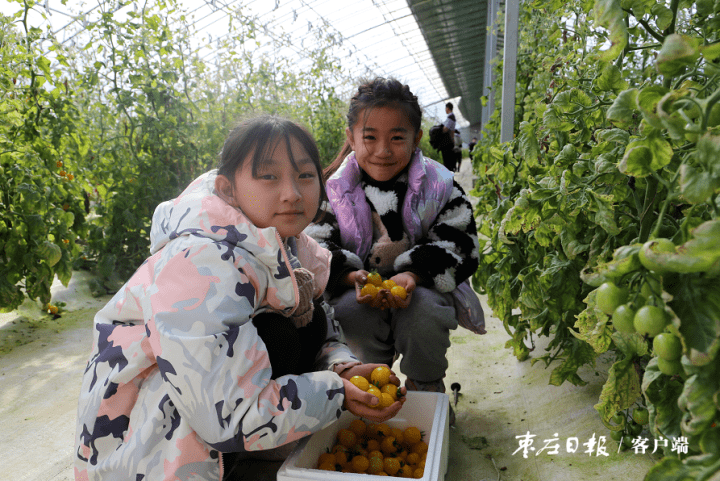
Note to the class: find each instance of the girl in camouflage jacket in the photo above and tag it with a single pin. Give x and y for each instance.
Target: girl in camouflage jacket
(183, 367)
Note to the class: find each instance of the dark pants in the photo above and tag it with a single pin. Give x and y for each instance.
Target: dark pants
(291, 351)
(449, 158)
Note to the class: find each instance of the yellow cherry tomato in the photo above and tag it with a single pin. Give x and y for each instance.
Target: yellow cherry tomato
(380, 376)
(327, 458)
(399, 291)
(375, 391)
(388, 284)
(390, 389)
(412, 435)
(385, 400)
(369, 290)
(346, 438)
(391, 465)
(375, 279)
(376, 464)
(360, 464)
(360, 382)
(359, 427)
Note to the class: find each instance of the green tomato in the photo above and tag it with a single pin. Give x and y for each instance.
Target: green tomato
(619, 419)
(667, 346)
(622, 319)
(641, 416)
(616, 435)
(650, 320)
(635, 429)
(609, 297)
(671, 368)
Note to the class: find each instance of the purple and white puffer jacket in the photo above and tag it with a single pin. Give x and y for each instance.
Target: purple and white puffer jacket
(177, 373)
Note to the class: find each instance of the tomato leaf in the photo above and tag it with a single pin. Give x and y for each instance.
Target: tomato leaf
(609, 14)
(647, 101)
(697, 304)
(677, 53)
(662, 393)
(611, 79)
(696, 400)
(605, 215)
(593, 327)
(529, 148)
(580, 354)
(623, 109)
(620, 391)
(697, 185)
(663, 16)
(650, 153)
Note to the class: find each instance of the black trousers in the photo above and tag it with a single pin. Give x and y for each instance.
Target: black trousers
(291, 351)
(449, 158)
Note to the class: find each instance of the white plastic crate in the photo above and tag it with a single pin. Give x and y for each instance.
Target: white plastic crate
(426, 410)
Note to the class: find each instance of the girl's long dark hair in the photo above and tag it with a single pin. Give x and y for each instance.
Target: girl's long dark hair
(380, 92)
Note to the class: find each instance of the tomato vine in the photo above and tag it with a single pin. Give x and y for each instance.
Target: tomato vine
(98, 131)
(607, 200)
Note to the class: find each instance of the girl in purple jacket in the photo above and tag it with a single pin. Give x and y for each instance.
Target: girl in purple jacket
(394, 211)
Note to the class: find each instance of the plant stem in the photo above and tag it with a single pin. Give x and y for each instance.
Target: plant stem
(646, 216)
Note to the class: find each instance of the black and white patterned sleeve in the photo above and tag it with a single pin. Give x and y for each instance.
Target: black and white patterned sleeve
(326, 232)
(450, 253)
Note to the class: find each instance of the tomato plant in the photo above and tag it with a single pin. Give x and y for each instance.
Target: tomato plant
(96, 133)
(42, 181)
(611, 185)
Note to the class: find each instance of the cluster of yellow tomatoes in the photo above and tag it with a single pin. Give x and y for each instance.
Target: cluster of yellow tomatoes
(375, 283)
(377, 449)
(379, 385)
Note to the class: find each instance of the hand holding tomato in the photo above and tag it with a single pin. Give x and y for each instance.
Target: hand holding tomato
(360, 402)
(401, 293)
(393, 293)
(369, 289)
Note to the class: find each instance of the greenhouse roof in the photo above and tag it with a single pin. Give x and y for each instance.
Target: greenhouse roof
(455, 32)
(435, 46)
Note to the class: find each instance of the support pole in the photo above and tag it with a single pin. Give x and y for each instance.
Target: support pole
(512, 9)
(491, 41)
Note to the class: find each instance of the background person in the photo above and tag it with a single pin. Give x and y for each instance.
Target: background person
(457, 150)
(447, 149)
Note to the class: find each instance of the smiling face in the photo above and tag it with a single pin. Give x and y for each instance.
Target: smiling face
(384, 141)
(279, 194)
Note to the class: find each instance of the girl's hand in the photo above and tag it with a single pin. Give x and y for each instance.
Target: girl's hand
(356, 277)
(357, 400)
(365, 370)
(406, 280)
(380, 301)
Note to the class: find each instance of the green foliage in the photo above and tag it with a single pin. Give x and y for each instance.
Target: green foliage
(612, 178)
(42, 141)
(96, 134)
